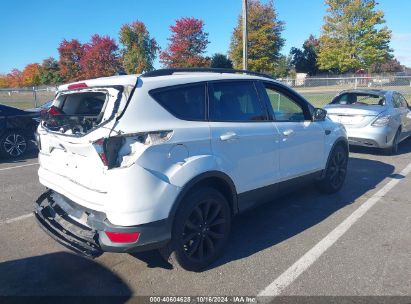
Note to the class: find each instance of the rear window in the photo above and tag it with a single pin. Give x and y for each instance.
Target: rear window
(186, 102)
(78, 112)
(87, 104)
(359, 99)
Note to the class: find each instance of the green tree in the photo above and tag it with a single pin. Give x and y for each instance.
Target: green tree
(221, 61)
(50, 72)
(353, 36)
(305, 60)
(139, 50)
(282, 67)
(264, 38)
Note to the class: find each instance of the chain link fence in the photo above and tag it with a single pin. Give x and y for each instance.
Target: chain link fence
(26, 98)
(320, 91)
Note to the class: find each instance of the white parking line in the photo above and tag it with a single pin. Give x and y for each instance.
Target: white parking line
(15, 167)
(16, 219)
(292, 273)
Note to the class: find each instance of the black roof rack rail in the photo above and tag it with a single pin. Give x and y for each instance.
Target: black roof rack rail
(166, 72)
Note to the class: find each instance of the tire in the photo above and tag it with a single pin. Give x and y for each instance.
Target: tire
(393, 150)
(13, 144)
(335, 172)
(201, 229)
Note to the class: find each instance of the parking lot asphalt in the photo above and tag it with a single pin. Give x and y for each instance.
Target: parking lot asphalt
(372, 258)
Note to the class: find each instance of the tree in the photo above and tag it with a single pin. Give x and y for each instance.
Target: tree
(221, 61)
(32, 75)
(392, 66)
(305, 60)
(50, 72)
(264, 38)
(139, 50)
(15, 79)
(282, 67)
(71, 53)
(353, 37)
(3, 82)
(187, 45)
(100, 57)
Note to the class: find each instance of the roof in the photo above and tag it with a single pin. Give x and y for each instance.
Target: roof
(105, 81)
(366, 91)
(171, 77)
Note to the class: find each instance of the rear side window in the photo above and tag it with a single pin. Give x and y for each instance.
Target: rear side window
(235, 101)
(185, 102)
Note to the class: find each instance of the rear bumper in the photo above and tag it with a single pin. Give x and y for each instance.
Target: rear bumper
(377, 137)
(83, 230)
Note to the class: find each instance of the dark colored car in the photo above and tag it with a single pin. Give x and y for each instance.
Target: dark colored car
(17, 128)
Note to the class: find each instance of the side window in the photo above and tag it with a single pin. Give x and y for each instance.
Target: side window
(403, 102)
(235, 101)
(185, 102)
(396, 101)
(284, 108)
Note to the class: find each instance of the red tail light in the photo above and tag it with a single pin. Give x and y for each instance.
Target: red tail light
(53, 111)
(123, 237)
(75, 86)
(99, 145)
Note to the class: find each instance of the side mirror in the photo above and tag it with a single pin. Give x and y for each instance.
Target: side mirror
(319, 114)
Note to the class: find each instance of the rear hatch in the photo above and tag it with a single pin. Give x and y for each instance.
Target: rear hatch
(80, 116)
(354, 115)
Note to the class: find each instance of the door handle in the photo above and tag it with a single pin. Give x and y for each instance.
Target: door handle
(288, 132)
(228, 136)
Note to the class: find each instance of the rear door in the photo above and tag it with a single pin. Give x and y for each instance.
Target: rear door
(66, 147)
(301, 139)
(244, 141)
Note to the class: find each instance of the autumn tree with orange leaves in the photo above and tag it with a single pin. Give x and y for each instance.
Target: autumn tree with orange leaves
(187, 46)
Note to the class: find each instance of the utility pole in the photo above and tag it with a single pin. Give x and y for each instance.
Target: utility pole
(245, 35)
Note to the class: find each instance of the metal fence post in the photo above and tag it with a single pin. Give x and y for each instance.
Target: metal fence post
(35, 97)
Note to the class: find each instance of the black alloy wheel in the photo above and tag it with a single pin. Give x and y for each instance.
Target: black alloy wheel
(202, 228)
(338, 168)
(336, 171)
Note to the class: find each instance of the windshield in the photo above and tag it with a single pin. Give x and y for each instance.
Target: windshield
(359, 99)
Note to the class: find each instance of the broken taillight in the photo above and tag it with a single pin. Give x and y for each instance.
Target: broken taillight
(99, 146)
(123, 150)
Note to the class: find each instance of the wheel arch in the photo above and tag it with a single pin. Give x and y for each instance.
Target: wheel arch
(216, 179)
(340, 141)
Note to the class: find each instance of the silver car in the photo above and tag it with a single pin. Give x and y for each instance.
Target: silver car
(373, 118)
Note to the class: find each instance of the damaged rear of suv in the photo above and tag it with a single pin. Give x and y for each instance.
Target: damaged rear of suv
(164, 160)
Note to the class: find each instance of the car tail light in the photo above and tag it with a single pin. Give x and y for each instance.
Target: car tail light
(53, 111)
(75, 86)
(99, 146)
(122, 151)
(382, 121)
(123, 237)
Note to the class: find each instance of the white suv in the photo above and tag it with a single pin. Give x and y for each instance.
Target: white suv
(167, 158)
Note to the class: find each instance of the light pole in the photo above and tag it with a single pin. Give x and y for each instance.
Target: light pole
(245, 35)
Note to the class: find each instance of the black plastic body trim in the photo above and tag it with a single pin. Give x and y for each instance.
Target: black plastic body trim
(167, 72)
(60, 218)
(196, 181)
(268, 194)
